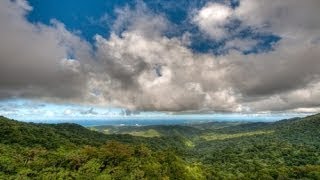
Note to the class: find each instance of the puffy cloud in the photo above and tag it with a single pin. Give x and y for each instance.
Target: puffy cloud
(140, 20)
(288, 18)
(68, 112)
(140, 68)
(303, 99)
(212, 18)
(288, 77)
(158, 73)
(33, 56)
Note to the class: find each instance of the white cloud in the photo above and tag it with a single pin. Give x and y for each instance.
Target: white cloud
(287, 18)
(140, 68)
(212, 18)
(136, 58)
(140, 20)
(32, 56)
(68, 112)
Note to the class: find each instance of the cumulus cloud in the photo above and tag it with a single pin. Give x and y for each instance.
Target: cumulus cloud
(288, 18)
(140, 20)
(140, 68)
(212, 18)
(157, 73)
(33, 56)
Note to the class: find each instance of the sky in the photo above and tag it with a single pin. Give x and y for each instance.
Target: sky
(99, 59)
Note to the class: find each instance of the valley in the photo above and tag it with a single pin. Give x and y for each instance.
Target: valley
(286, 149)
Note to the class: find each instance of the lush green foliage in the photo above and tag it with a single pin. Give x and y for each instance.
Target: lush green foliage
(288, 149)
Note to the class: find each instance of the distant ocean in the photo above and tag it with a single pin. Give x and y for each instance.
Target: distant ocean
(183, 120)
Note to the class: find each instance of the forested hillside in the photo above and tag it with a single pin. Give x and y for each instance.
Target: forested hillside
(287, 149)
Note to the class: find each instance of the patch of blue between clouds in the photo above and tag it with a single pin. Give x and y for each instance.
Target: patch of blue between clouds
(88, 18)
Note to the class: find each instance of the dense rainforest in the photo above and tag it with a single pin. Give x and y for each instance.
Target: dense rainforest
(287, 149)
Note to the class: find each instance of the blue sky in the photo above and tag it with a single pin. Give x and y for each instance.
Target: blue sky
(97, 17)
(109, 59)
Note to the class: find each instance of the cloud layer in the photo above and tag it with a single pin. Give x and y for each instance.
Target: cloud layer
(139, 67)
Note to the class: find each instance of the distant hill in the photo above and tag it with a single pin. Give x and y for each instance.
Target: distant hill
(188, 131)
(294, 125)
